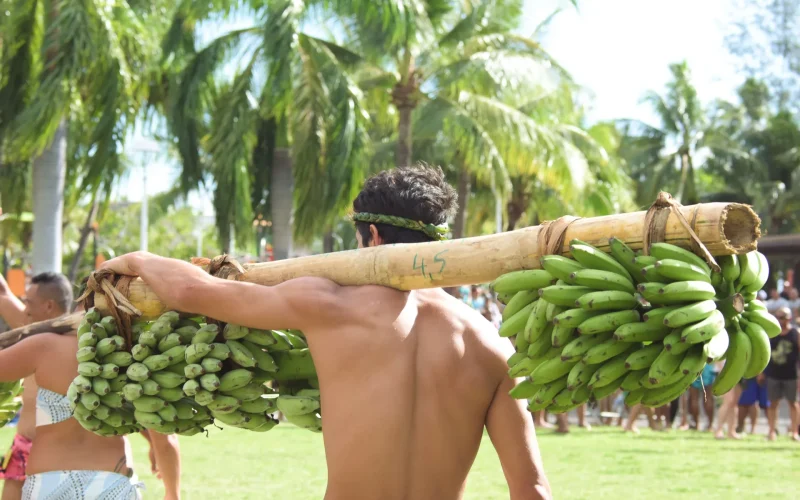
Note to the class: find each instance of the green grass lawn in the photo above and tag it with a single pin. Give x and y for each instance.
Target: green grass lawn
(604, 463)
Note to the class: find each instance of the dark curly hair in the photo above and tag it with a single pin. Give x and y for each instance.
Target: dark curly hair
(419, 193)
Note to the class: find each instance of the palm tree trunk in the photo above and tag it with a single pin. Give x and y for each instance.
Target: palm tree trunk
(48, 203)
(85, 231)
(282, 203)
(404, 137)
(404, 97)
(463, 190)
(327, 242)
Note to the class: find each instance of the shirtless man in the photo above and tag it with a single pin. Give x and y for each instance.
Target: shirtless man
(409, 379)
(48, 297)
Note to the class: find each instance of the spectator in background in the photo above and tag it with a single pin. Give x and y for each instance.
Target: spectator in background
(781, 372)
(794, 301)
(702, 388)
(762, 295)
(754, 392)
(775, 301)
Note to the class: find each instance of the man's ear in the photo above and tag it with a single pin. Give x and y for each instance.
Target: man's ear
(375, 238)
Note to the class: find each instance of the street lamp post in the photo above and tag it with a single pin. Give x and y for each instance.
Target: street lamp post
(148, 149)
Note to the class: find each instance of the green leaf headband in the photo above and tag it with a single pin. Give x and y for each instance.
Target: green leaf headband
(437, 232)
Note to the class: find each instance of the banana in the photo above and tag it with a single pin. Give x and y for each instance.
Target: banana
(168, 342)
(652, 383)
(581, 395)
(282, 342)
(259, 405)
(605, 351)
(579, 375)
(641, 332)
(102, 412)
(520, 300)
(694, 361)
(234, 418)
(137, 372)
(525, 367)
(504, 298)
(160, 329)
(553, 311)
(633, 380)
(209, 382)
(760, 349)
(537, 322)
(252, 391)
(207, 365)
(594, 258)
(120, 358)
(195, 352)
(678, 270)
(578, 347)
(109, 324)
(150, 387)
(755, 305)
(171, 395)
(674, 344)
(640, 263)
(524, 390)
(520, 343)
(265, 339)
(715, 348)
(603, 280)
(692, 313)
(634, 397)
(563, 399)
(140, 352)
(148, 339)
(765, 320)
(88, 339)
(90, 400)
(749, 267)
(571, 318)
(560, 267)
(550, 370)
(100, 386)
(259, 423)
(168, 413)
(219, 351)
(118, 383)
(310, 421)
(86, 354)
(168, 379)
(297, 405)
(191, 387)
(607, 322)
(105, 346)
(663, 251)
(147, 419)
(611, 300)
(607, 390)
(184, 409)
(609, 372)
(704, 330)
(263, 359)
(560, 335)
(99, 332)
(516, 358)
(550, 390)
(563, 295)
(643, 357)
(685, 291)
(109, 371)
(650, 273)
(761, 276)
(204, 397)
(205, 335)
(729, 264)
(149, 403)
(240, 354)
(177, 354)
(517, 322)
(235, 379)
(294, 365)
(624, 255)
(82, 384)
(157, 362)
(517, 281)
(665, 365)
(83, 328)
(659, 396)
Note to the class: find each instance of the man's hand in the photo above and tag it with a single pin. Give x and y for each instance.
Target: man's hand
(124, 264)
(4, 288)
(153, 463)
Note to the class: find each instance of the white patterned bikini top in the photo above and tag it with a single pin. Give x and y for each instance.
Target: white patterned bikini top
(51, 408)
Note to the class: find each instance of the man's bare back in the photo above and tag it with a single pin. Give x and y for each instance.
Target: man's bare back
(409, 385)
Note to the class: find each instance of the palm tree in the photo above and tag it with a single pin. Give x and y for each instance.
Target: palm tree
(289, 144)
(665, 157)
(78, 57)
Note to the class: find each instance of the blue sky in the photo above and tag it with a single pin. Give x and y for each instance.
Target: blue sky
(616, 49)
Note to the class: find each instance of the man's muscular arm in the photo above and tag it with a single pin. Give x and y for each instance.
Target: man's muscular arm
(510, 427)
(297, 303)
(12, 310)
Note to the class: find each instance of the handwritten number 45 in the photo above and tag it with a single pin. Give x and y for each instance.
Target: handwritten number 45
(437, 259)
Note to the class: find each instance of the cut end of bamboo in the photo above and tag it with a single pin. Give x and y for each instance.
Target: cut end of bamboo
(741, 228)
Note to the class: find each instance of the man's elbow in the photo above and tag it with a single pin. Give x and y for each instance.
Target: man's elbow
(164, 441)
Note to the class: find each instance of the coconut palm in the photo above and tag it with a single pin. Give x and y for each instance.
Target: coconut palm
(73, 57)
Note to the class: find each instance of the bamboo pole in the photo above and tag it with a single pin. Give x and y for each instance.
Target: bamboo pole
(724, 228)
